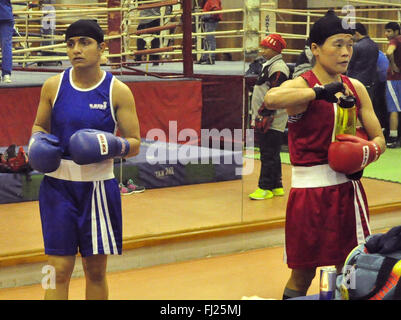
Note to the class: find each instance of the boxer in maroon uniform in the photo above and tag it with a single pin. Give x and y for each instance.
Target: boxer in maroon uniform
(327, 212)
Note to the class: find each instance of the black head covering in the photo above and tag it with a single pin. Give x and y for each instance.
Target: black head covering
(85, 28)
(326, 27)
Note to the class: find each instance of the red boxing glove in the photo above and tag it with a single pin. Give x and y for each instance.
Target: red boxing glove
(350, 154)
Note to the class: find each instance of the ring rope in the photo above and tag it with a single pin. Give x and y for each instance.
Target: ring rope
(129, 19)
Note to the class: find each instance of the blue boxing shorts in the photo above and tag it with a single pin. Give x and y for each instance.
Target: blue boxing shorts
(393, 95)
(80, 215)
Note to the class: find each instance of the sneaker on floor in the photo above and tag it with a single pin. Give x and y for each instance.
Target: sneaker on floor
(134, 188)
(124, 191)
(201, 61)
(278, 192)
(7, 78)
(208, 61)
(392, 143)
(260, 194)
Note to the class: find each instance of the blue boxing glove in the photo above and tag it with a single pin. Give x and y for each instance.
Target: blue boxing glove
(90, 146)
(44, 152)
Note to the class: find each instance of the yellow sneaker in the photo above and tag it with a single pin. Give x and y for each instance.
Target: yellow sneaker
(260, 194)
(278, 192)
(7, 78)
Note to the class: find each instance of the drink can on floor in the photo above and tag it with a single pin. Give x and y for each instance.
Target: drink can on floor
(327, 283)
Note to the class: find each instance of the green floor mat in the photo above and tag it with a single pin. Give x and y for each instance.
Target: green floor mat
(388, 167)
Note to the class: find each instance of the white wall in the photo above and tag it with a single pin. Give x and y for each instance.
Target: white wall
(232, 4)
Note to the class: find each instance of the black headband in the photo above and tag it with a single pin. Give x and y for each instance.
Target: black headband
(328, 26)
(85, 28)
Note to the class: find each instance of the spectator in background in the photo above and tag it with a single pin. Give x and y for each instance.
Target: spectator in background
(210, 22)
(6, 36)
(305, 61)
(379, 91)
(363, 64)
(145, 24)
(269, 124)
(393, 87)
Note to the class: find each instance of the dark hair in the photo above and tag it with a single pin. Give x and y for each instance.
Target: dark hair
(359, 27)
(393, 26)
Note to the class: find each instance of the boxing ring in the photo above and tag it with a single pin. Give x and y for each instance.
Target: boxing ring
(198, 97)
(39, 29)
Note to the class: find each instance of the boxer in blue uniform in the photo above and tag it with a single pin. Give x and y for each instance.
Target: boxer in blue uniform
(73, 142)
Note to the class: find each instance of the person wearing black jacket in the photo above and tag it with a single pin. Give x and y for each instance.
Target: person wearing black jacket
(363, 64)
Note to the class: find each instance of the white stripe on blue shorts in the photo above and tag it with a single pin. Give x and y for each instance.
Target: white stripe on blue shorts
(101, 217)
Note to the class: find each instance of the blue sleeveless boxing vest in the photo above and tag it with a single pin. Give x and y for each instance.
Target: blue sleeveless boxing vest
(75, 108)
